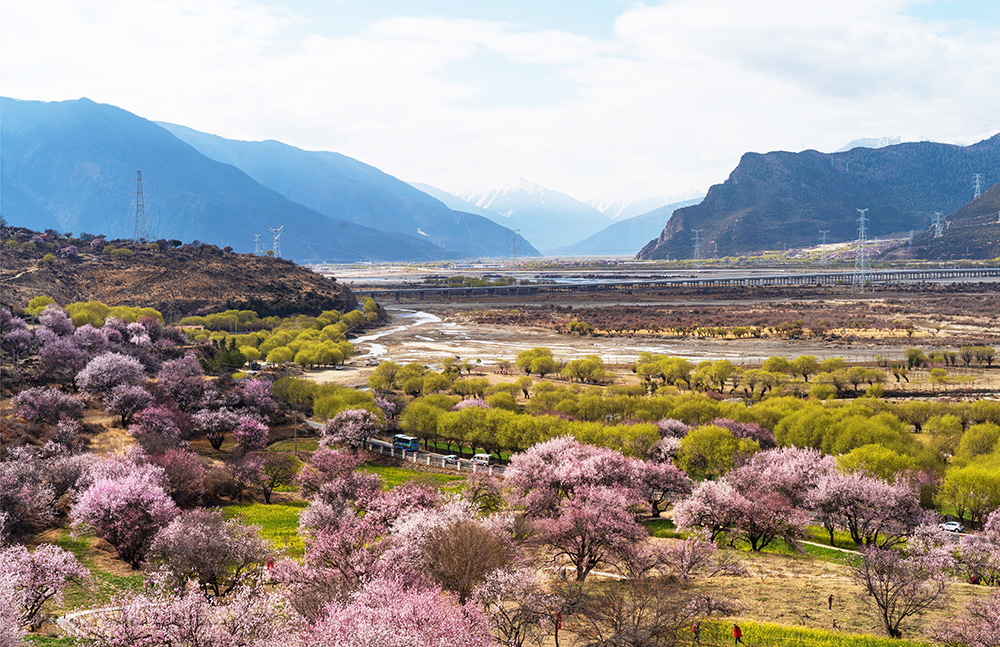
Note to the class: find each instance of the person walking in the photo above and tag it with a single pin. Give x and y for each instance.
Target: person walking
(696, 633)
(829, 602)
(737, 635)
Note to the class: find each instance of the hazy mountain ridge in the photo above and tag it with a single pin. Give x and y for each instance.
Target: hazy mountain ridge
(625, 236)
(547, 219)
(342, 187)
(76, 161)
(783, 199)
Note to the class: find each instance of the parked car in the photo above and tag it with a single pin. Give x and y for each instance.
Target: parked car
(484, 459)
(951, 526)
(450, 459)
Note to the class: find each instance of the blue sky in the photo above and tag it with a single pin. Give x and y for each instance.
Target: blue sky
(590, 98)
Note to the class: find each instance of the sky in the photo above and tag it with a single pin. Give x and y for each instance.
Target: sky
(590, 97)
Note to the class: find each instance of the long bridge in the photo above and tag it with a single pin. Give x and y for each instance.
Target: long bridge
(880, 277)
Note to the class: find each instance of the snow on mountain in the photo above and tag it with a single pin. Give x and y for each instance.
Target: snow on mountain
(871, 142)
(548, 219)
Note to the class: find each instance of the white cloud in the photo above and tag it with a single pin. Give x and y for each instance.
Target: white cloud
(673, 99)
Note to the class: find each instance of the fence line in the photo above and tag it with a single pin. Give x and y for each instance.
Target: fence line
(429, 460)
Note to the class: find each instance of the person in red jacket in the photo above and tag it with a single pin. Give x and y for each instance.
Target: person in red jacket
(737, 635)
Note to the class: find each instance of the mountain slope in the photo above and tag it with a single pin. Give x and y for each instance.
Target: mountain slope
(971, 232)
(624, 237)
(342, 187)
(784, 198)
(77, 160)
(548, 219)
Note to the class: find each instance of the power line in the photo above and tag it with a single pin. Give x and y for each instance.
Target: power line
(936, 222)
(276, 235)
(141, 231)
(697, 248)
(862, 271)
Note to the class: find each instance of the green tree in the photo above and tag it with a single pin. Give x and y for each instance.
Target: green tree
(876, 460)
(804, 365)
(525, 359)
(385, 377)
(709, 452)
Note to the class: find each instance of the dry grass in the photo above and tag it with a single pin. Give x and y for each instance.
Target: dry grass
(791, 590)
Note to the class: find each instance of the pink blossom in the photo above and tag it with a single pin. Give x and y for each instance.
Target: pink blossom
(977, 626)
(108, 370)
(471, 403)
(156, 429)
(126, 400)
(199, 545)
(874, 511)
(126, 512)
(596, 526)
(247, 617)
(45, 404)
(215, 424)
(549, 471)
(37, 577)
(250, 435)
(55, 319)
(351, 427)
(383, 614)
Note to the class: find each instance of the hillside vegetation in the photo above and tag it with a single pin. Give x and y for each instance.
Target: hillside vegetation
(175, 279)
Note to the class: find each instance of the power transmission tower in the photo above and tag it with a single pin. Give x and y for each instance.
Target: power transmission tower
(513, 245)
(937, 224)
(823, 233)
(697, 248)
(862, 272)
(256, 245)
(276, 235)
(911, 238)
(141, 232)
(977, 185)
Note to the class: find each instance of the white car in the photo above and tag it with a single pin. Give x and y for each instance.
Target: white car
(951, 526)
(450, 459)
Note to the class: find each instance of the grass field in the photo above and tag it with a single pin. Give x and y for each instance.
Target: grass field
(760, 633)
(46, 641)
(288, 445)
(393, 476)
(278, 522)
(109, 576)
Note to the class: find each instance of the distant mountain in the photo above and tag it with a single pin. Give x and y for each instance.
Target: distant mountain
(636, 198)
(342, 187)
(871, 142)
(622, 208)
(971, 232)
(548, 219)
(626, 236)
(75, 162)
(456, 203)
(783, 199)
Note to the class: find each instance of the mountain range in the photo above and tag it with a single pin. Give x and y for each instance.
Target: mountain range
(784, 199)
(549, 219)
(72, 165)
(337, 185)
